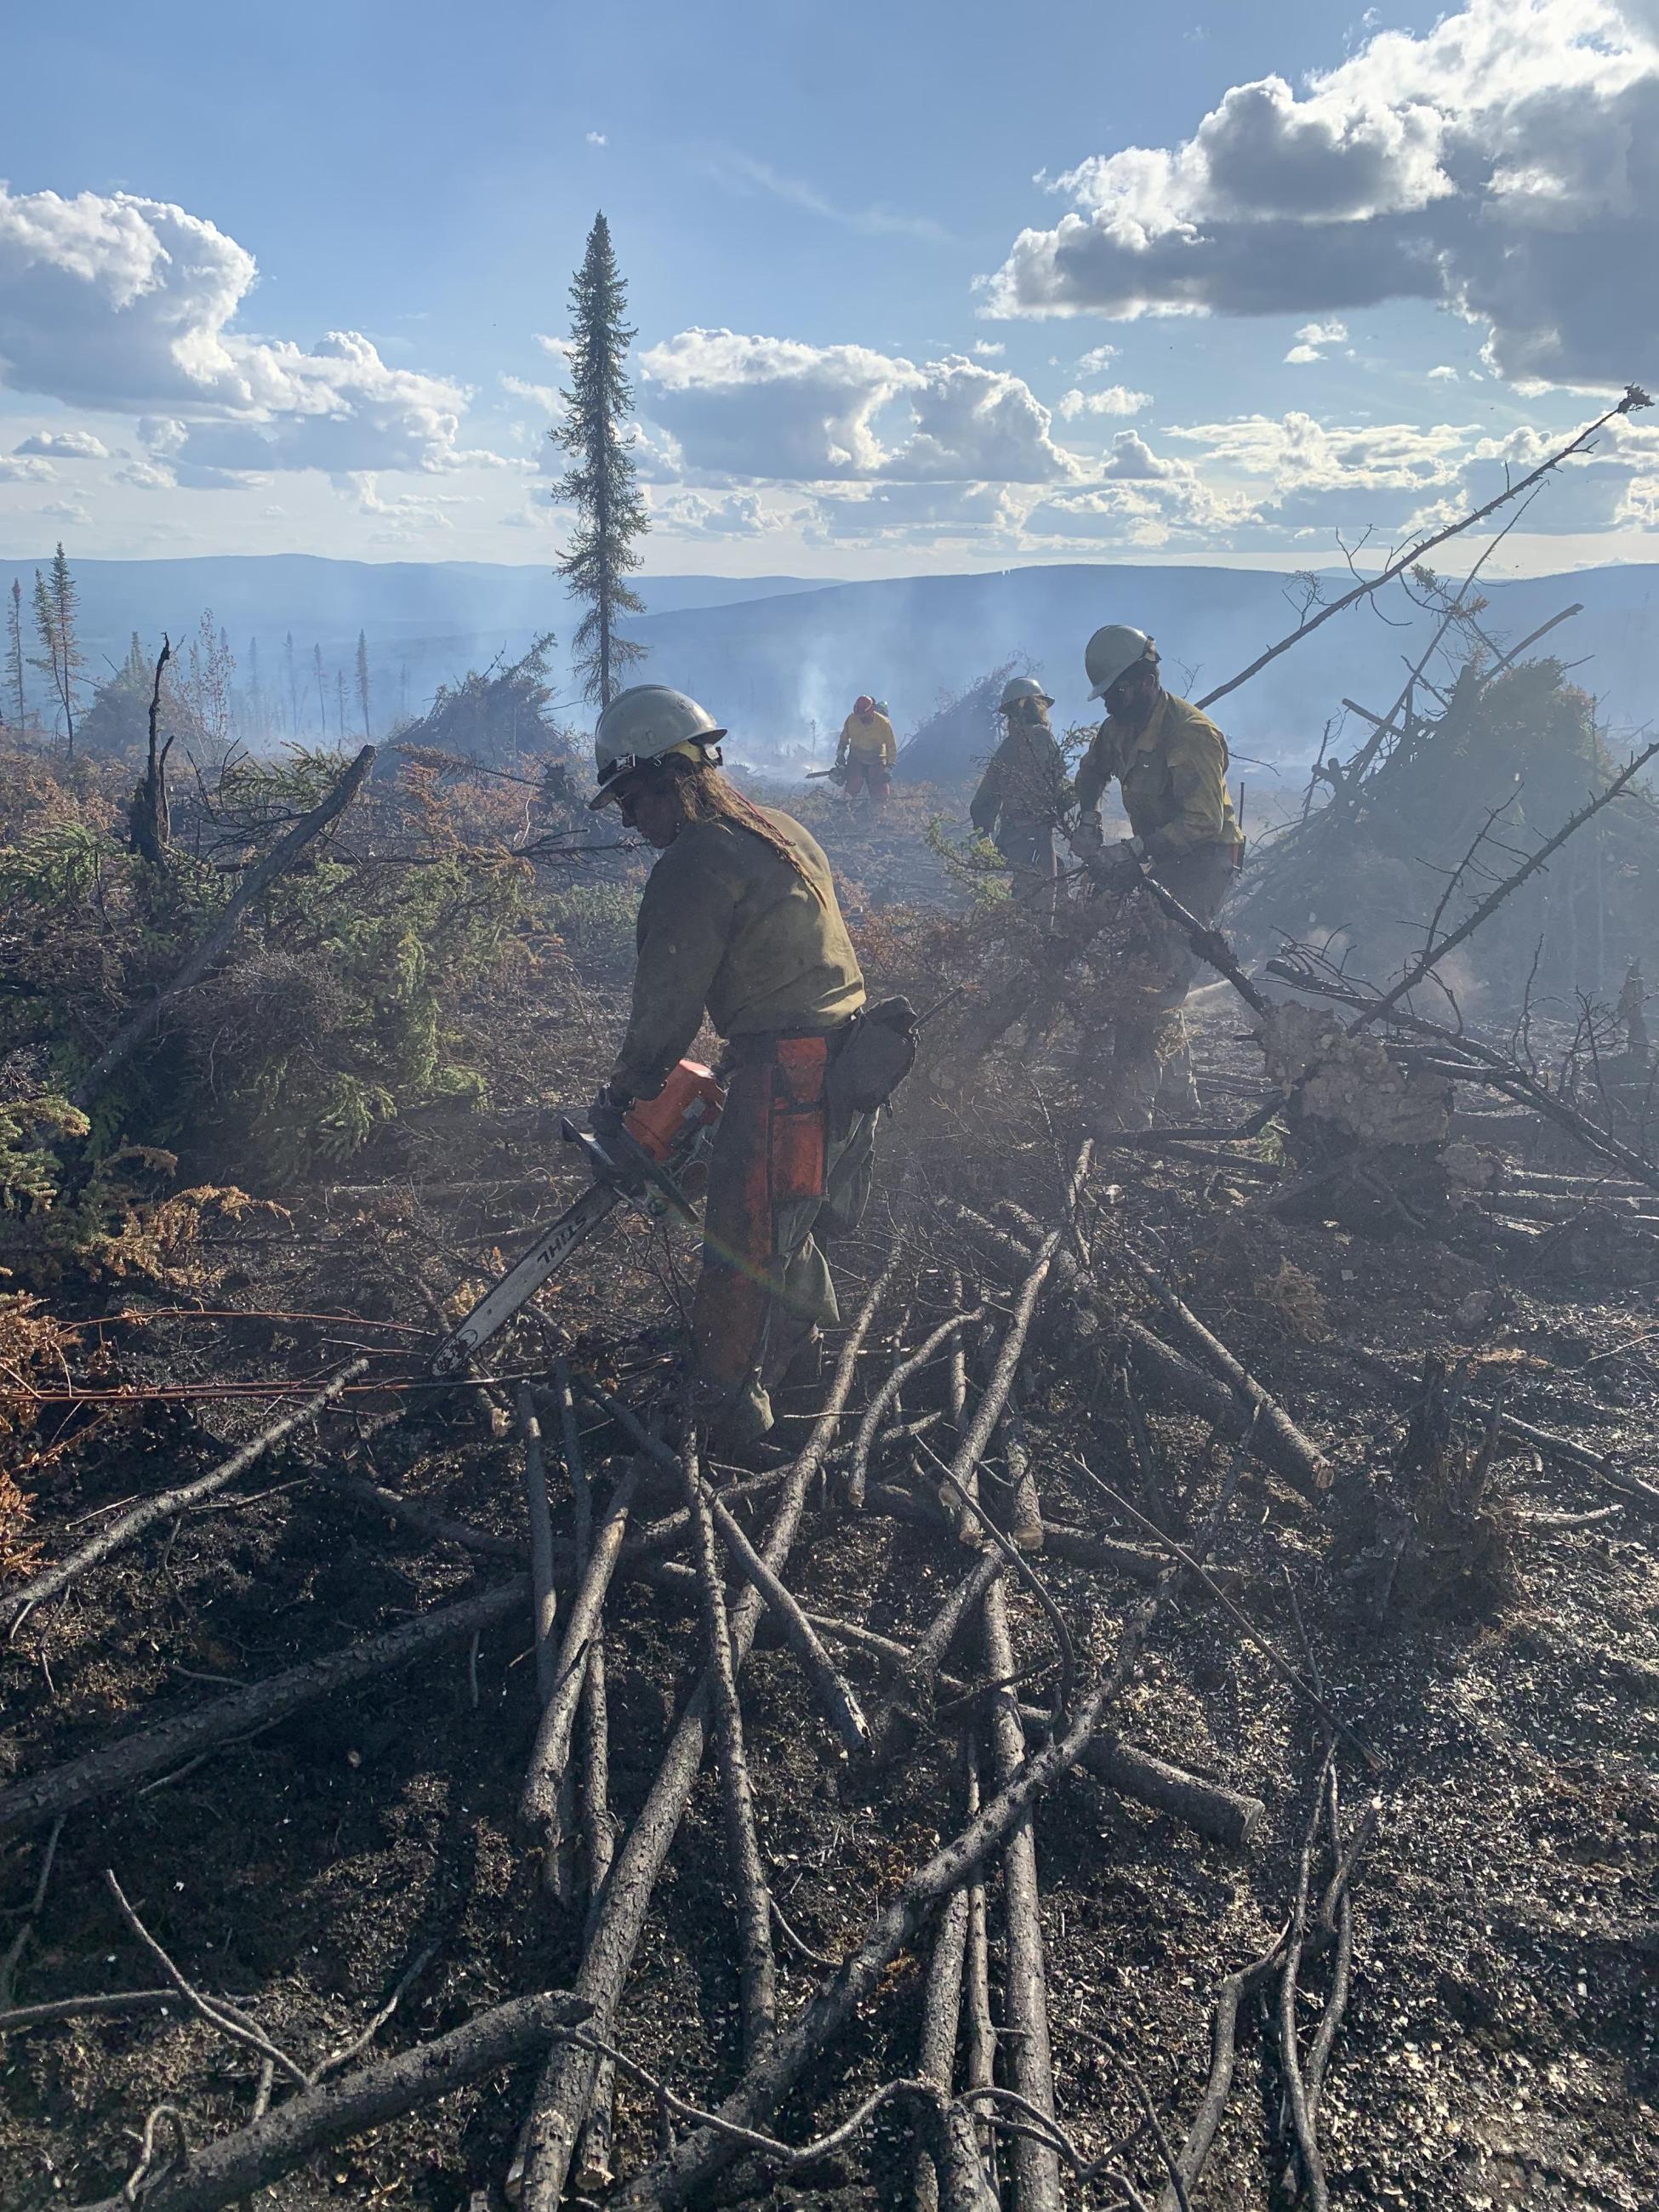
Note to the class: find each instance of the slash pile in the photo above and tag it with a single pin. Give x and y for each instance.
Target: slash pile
(1085, 1769)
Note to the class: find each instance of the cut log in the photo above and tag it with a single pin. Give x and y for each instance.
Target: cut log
(1025, 1980)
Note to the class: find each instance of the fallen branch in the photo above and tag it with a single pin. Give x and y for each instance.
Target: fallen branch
(413, 1513)
(167, 1503)
(833, 1693)
(1301, 1462)
(1029, 1575)
(1280, 1665)
(941, 2009)
(757, 1969)
(980, 2040)
(110, 2007)
(1025, 1982)
(227, 2019)
(913, 1695)
(858, 1473)
(118, 1766)
(237, 2166)
(1224, 2050)
(544, 1602)
(1289, 2053)
(680, 2176)
(835, 1696)
(550, 1759)
(1170, 1378)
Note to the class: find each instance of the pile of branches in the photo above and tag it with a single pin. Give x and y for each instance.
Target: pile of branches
(961, 1342)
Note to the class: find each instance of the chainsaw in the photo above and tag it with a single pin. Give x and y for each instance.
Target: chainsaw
(652, 1161)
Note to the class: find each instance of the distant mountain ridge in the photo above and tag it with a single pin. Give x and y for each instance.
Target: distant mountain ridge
(780, 659)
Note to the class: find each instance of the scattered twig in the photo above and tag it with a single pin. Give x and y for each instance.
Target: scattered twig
(167, 1503)
(234, 2024)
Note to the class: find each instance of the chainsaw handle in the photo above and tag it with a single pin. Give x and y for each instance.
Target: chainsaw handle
(626, 1163)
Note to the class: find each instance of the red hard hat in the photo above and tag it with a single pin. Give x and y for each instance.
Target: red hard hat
(863, 704)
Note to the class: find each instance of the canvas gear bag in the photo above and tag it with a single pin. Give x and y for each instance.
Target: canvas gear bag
(872, 1059)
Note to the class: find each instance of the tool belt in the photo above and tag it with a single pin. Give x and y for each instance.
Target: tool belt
(755, 1045)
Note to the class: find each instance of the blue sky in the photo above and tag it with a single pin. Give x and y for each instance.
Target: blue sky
(916, 286)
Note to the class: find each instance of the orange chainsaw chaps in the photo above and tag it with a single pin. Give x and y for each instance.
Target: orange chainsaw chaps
(769, 1152)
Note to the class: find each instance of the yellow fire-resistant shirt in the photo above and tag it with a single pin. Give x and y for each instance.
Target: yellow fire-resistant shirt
(728, 927)
(1174, 775)
(873, 739)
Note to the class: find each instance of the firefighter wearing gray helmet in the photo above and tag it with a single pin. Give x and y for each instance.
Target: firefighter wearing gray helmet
(647, 722)
(1023, 794)
(1171, 762)
(739, 920)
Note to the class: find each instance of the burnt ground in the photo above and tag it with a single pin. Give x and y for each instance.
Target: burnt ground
(1498, 2048)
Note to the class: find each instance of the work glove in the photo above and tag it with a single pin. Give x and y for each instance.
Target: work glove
(606, 1117)
(1086, 838)
(1118, 869)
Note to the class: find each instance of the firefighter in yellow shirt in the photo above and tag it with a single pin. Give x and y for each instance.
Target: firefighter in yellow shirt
(866, 751)
(1171, 762)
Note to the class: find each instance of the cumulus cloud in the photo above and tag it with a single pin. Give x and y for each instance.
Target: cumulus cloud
(547, 397)
(1444, 374)
(1503, 165)
(597, 138)
(1615, 486)
(989, 349)
(64, 446)
(17, 470)
(1312, 339)
(1097, 360)
(128, 304)
(777, 408)
(1116, 399)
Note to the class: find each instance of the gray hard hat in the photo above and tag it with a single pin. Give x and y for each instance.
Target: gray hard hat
(1111, 652)
(1022, 686)
(644, 724)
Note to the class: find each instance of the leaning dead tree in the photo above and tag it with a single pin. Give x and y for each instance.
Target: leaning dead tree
(281, 857)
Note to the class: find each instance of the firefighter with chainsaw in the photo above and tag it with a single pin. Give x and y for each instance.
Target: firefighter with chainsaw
(1023, 792)
(1171, 762)
(866, 754)
(739, 919)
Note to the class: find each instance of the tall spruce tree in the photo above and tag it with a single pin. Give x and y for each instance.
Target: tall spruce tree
(17, 697)
(600, 483)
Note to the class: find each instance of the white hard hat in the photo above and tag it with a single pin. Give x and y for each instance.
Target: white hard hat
(642, 725)
(1021, 687)
(1111, 652)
